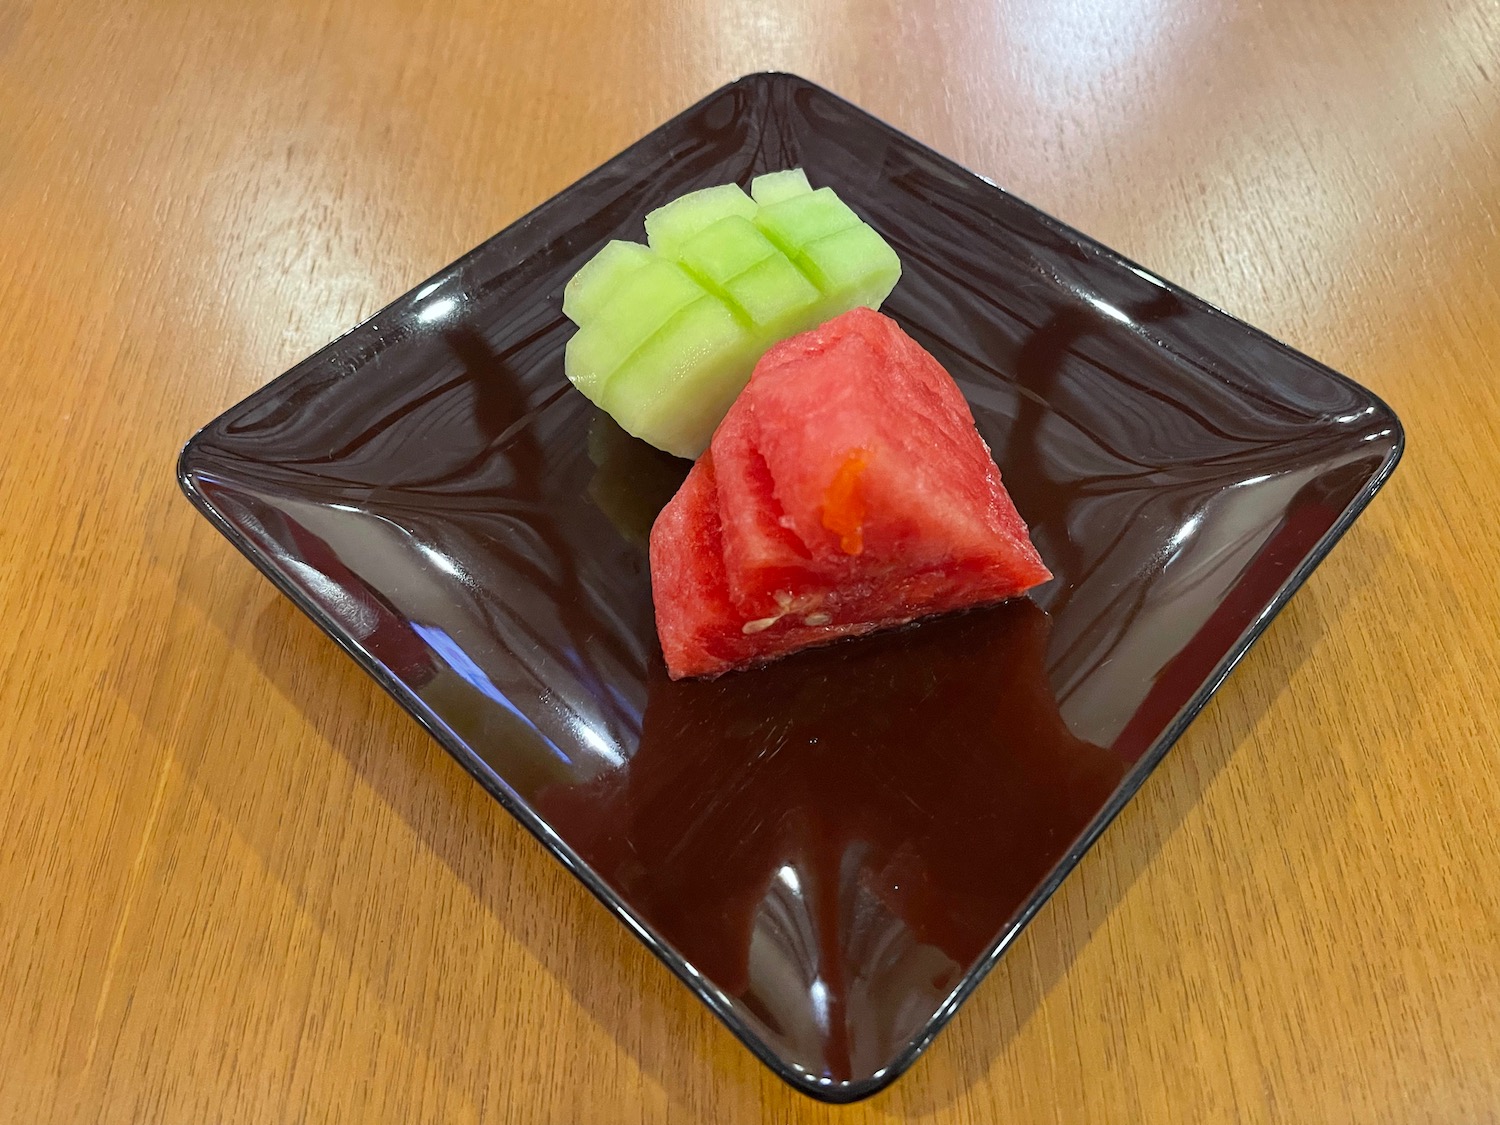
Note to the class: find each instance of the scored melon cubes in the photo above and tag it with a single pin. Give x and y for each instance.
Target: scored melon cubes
(773, 187)
(642, 303)
(669, 333)
(601, 277)
(668, 227)
(845, 258)
(676, 389)
(738, 263)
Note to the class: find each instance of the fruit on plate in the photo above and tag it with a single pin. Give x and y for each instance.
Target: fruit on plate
(846, 491)
(668, 333)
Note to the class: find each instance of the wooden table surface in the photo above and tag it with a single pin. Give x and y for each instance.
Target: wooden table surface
(238, 884)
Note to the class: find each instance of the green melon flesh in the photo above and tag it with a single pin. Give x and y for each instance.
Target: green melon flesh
(801, 219)
(668, 227)
(840, 254)
(773, 187)
(778, 299)
(656, 291)
(739, 264)
(601, 277)
(721, 252)
(855, 265)
(680, 384)
(669, 334)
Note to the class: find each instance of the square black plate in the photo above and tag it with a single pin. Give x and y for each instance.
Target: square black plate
(833, 851)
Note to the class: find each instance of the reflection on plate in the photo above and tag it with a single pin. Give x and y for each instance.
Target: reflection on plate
(862, 825)
(831, 851)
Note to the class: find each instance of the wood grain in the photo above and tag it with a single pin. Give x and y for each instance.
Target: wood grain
(237, 884)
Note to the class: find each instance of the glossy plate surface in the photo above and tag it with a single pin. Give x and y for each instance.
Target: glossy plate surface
(831, 851)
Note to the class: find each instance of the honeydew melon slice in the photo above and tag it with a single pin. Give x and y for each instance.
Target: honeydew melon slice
(855, 264)
(674, 389)
(655, 291)
(601, 277)
(795, 222)
(669, 334)
(736, 261)
(669, 226)
(777, 299)
(773, 187)
(721, 252)
(843, 256)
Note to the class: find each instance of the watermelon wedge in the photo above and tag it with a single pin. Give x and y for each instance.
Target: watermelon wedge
(847, 490)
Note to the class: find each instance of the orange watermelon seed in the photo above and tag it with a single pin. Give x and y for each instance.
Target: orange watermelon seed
(843, 506)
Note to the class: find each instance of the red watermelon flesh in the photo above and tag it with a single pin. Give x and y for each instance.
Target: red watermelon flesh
(847, 490)
(701, 630)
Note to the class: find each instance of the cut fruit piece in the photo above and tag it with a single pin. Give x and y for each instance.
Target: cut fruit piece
(848, 490)
(778, 299)
(735, 260)
(655, 292)
(773, 270)
(856, 263)
(601, 277)
(773, 187)
(701, 630)
(680, 382)
(796, 222)
(669, 226)
(858, 390)
(719, 254)
(726, 249)
(687, 584)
